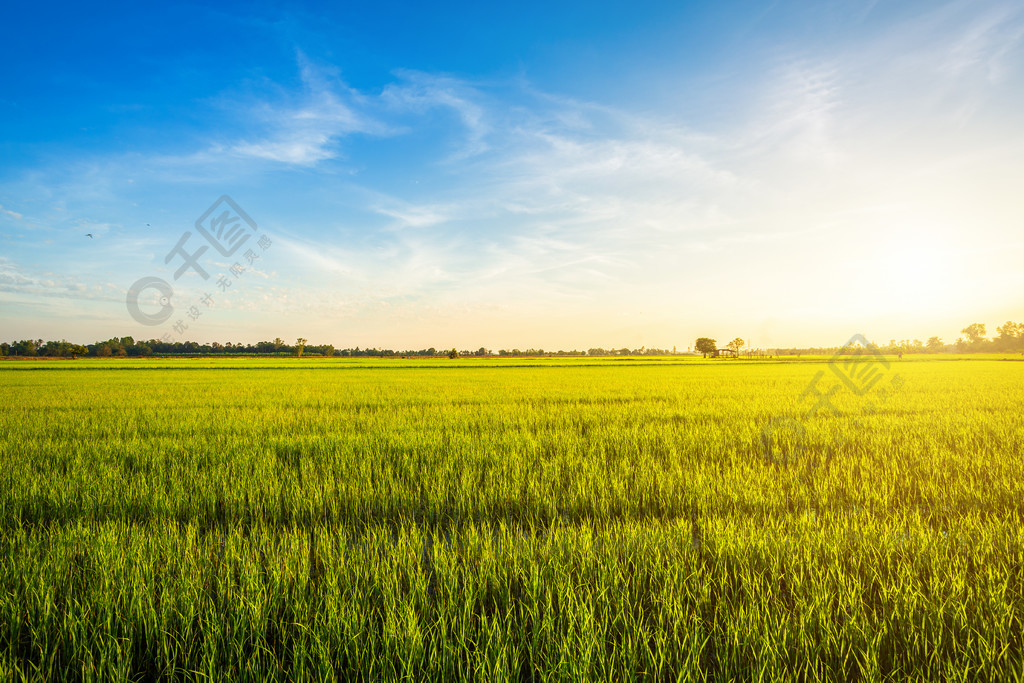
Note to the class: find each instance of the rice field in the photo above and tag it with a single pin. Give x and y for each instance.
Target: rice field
(559, 519)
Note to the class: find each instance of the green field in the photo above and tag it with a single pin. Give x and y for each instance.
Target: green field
(557, 519)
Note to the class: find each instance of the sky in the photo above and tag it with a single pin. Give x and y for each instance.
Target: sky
(523, 175)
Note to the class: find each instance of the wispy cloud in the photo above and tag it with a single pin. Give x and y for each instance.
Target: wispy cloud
(986, 43)
(408, 215)
(420, 92)
(25, 282)
(304, 128)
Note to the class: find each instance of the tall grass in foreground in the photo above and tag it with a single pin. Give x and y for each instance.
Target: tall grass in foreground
(575, 522)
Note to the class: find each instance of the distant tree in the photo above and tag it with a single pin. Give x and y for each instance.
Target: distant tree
(975, 334)
(24, 347)
(1010, 334)
(706, 345)
(453, 354)
(300, 346)
(55, 348)
(736, 344)
(934, 345)
(59, 349)
(278, 343)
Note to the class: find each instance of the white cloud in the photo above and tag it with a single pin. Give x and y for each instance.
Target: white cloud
(420, 92)
(408, 215)
(29, 284)
(305, 128)
(985, 44)
(303, 149)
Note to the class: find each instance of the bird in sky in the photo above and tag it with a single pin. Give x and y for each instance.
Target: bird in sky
(89, 235)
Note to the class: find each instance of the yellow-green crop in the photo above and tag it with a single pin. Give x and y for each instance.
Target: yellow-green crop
(491, 520)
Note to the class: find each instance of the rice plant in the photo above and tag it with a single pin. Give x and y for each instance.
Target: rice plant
(554, 520)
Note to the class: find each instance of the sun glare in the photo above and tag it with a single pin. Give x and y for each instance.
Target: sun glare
(913, 271)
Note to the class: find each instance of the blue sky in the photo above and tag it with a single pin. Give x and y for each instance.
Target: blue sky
(588, 174)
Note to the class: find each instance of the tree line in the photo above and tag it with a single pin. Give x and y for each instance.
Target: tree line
(1009, 338)
(127, 346)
